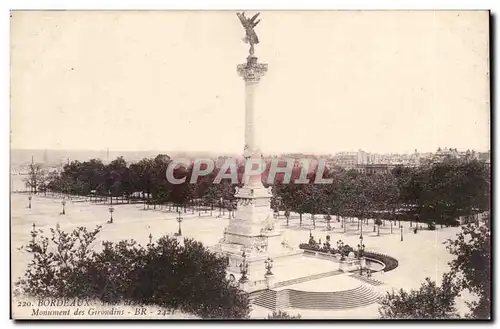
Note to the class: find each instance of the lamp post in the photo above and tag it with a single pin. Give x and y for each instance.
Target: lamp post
(33, 233)
(29, 201)
(401, 233)
(269, 266)
(328, 219)
(361, 249)
(244, 268)
(340, 246)
(220, 207)
(179, 220)
(63, 208)
(327, 243)
(111, 210)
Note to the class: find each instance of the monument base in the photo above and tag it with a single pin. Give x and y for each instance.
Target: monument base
(256, 270)
(254, 233)
(255, 261)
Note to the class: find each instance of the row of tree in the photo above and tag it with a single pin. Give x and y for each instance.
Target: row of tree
(438, 193)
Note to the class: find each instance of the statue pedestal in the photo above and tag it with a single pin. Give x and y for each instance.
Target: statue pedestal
(362, 262)
(343, 266)
(254, 231)
(270, 281)
(244, 285)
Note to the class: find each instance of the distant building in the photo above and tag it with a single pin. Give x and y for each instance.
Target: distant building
(373, 168)
(346, 160)
(363, 158)
(442, 155)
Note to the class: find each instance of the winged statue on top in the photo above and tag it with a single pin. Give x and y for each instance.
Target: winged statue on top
(249, 24)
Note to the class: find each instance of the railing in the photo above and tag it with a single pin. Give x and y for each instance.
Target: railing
(370, 256)
(389, 262)
(373, 260)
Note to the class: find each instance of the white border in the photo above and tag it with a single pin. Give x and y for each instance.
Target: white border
(256, 4)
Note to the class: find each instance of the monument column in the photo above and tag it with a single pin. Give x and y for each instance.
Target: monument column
(251, 236)
(251, 72)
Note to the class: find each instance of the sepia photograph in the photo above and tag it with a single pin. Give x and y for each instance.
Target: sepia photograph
(250, 165)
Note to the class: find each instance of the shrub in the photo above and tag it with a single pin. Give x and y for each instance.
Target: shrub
(312, 242)
(307, 246)
(429, 302)
(58, 263)
(165, 273)
(280, 315)
(347, 249)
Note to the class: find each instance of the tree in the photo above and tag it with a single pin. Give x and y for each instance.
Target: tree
(211, 195)
(287, 216)
(160, 189)
(429, 302)
(472, 266)
(338, 198)
(142, 178)
(36, 177)
(360, 195)
(298, 199)
(312, 198)
(117, 178)
(166, 273)
(378, 222)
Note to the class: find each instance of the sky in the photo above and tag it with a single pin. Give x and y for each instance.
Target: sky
(385, 82)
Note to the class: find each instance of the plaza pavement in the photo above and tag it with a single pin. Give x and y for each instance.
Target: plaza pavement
(420, 255)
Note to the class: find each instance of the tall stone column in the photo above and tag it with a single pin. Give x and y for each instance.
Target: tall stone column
(252, 231)
(253, 216)
(251, 72)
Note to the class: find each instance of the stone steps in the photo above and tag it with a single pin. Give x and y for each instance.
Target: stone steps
(267, 300)
(289, 298)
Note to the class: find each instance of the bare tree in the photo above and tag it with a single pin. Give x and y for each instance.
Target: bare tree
(36, 177)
